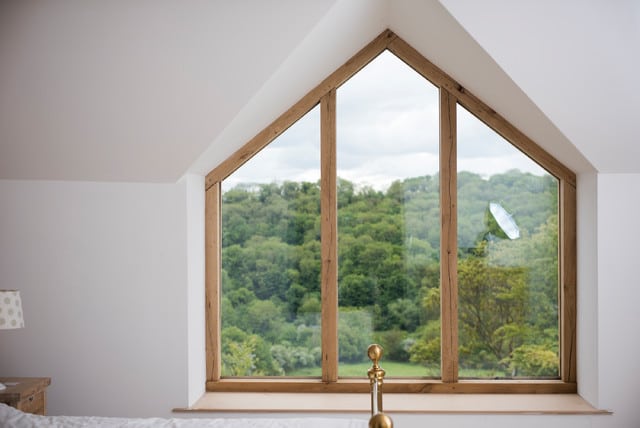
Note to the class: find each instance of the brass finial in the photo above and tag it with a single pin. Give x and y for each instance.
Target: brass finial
(374, 352)
(376, 372)
(380, 421)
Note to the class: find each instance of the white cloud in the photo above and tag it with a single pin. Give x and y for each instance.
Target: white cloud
(387, 121)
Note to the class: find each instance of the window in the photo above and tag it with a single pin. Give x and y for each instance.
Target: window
(507, 258)
(270, 301)
(411, 215)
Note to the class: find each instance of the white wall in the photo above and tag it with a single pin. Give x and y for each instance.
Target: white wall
(108, 295)
(103, 275)
(195, 287)
(618, 296)
(608, 292)
(587, 295)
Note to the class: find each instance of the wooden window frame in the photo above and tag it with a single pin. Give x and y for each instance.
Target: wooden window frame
(451, 93)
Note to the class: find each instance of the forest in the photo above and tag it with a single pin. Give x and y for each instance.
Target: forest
(388, 277)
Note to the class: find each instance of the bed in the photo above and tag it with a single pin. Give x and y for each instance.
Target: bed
(11, 417)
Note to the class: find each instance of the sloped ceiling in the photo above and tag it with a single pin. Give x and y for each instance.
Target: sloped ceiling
(148, 90)
(578, 61)
(132, 90)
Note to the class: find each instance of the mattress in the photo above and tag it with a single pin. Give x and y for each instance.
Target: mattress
(13, 418)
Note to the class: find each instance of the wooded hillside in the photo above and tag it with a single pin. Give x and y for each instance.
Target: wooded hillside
(389, 275)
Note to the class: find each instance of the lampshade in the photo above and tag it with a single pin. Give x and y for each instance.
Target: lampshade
(10, 310)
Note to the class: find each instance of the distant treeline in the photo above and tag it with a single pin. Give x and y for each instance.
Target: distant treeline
(388, 243)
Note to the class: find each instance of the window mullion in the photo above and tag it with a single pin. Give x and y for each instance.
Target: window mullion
(448, 244)
(329, 234)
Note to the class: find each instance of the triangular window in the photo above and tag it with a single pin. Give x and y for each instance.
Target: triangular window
(390, 205)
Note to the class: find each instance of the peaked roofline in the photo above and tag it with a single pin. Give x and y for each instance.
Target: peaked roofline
(388, 40)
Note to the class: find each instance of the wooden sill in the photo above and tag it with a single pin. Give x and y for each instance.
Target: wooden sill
(259, 402)
(392, 386)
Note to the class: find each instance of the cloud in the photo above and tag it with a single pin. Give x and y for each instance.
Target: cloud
(293, 156)
(387, 129)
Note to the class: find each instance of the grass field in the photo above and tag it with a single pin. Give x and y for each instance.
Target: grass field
(360, 369)
(396, 369)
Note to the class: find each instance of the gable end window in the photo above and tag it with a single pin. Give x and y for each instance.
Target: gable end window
(391, 205)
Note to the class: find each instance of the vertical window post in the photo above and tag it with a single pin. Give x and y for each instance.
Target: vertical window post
(329, 236)
(449, 245)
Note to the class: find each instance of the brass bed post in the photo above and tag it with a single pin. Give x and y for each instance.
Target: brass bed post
(376, 377)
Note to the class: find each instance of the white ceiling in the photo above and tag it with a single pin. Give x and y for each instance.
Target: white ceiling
(577, 60)
(132, 90)
(148, 90)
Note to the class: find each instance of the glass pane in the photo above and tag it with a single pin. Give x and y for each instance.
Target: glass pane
(388, 220)
(507, 258)
(271, 258)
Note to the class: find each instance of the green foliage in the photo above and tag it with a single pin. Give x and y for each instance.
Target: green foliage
(396, 344)
(291, 357)
(357, 290)
(388, 275)
(238, 357)
(494, 303)
(264, 318)
(245, 354)
(426, 350)
(533, 361)
(404, 314)
(355, 334)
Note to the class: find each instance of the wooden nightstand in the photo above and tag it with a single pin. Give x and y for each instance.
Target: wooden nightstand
(28, 394)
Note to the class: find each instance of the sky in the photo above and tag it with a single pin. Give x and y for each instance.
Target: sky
(387, 129)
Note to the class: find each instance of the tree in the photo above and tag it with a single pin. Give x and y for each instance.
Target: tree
(492, 312)
(264, 318)
(355, 334)
(389, 271)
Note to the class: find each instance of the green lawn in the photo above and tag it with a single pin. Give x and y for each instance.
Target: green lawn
(391, 368)
(396, 369)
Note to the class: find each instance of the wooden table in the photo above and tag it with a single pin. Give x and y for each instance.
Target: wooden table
(28, 394)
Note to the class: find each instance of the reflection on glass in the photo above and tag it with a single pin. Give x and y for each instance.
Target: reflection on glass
(507, 259)
(388, 220)
(271, 258)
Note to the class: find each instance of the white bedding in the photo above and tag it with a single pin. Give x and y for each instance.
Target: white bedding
(13, 418)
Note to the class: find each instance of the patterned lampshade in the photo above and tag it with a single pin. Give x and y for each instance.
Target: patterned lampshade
(10, 310)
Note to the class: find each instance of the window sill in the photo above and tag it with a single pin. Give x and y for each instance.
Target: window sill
(258, 402)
